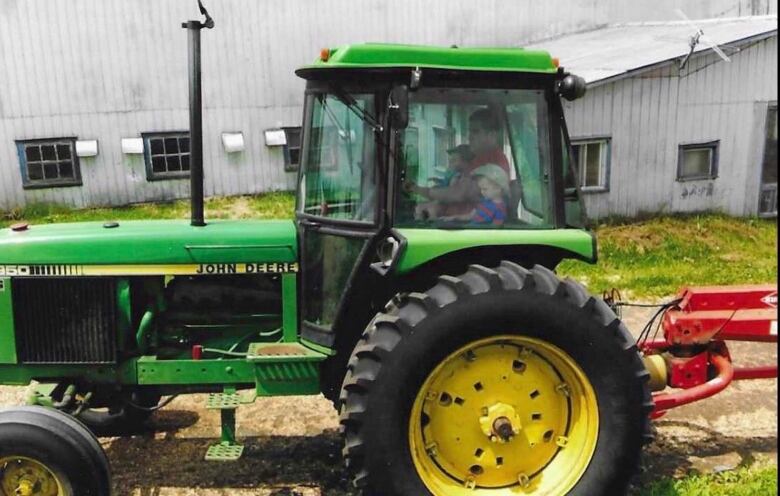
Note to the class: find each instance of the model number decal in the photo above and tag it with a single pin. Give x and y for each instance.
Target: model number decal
(40, 270)
(143, 270)
(2, 285)
(14, 270)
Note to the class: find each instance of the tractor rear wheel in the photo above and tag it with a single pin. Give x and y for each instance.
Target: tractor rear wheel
(45, 452)
(499, 382)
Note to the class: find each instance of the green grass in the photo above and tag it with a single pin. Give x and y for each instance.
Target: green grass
(656, 257)
(744, 481)
(648, 259)
(268, 206)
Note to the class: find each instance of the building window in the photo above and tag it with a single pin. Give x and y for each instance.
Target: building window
(767, 200)
(592, 157)
(167, 155)
(292, 148)
(48, 163)
(697, 161)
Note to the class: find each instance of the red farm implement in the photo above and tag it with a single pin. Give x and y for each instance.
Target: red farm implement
(692, 361)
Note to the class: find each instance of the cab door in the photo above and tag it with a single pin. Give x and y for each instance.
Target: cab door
(338, 206)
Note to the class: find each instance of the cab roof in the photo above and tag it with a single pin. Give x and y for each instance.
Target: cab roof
(385, 56)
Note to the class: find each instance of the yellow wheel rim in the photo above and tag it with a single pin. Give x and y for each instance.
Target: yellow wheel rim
(21, 476)
(503, 416)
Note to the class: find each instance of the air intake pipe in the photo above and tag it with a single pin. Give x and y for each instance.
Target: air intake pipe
(196, 116)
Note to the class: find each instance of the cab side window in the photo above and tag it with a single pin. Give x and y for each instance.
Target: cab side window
(475, 159)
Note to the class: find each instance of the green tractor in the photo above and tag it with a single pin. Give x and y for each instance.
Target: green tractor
(417, 295)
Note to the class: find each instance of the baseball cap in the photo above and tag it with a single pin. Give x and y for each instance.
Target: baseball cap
(495, 173)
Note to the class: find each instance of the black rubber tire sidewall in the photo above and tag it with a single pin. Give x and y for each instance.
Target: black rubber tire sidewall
(58, 442)
(523, 312)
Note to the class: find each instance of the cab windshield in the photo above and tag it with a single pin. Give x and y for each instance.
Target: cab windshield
(338, 175)
(475, 158)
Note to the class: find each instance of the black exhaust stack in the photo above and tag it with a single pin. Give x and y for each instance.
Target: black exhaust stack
(196, 116)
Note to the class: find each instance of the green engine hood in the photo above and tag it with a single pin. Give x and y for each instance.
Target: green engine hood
(151, 242)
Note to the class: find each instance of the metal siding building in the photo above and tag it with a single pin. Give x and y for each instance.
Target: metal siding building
(111, 69)
(646, 106)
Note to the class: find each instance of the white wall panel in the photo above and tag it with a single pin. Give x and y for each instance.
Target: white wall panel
(653, 113)
(108, 69)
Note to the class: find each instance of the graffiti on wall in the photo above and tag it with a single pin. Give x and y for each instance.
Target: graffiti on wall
(701, 191)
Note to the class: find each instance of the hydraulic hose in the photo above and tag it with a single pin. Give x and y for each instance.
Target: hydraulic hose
(67, 398)
(142, 335)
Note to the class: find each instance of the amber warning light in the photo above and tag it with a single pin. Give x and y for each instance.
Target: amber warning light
(556, 62)
(325, 54)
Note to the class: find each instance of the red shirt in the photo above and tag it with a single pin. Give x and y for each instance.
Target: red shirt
(494, 156)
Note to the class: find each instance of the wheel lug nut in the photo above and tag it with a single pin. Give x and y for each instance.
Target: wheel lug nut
(503, 428)
(523, 480)
(563, 388)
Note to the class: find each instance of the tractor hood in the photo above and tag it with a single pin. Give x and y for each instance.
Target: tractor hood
(151, 243)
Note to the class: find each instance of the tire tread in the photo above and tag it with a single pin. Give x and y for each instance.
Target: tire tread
(387, 329)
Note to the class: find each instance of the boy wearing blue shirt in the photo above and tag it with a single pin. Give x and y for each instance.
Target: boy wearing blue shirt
(493, 184)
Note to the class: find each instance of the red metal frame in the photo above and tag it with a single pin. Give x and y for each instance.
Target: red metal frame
(725, 374)
(738, 313)
(695, 331)
(687, 372)
(763, 372)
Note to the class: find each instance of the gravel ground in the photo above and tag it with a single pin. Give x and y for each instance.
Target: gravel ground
(293, 446)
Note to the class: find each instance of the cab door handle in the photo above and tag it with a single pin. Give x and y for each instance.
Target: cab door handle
(310, 223)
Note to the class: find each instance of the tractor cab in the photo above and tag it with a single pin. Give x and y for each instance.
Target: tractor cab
(413, 110)
(405, 141)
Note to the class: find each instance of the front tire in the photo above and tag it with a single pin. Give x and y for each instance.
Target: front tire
(48, 453)
(494, 383)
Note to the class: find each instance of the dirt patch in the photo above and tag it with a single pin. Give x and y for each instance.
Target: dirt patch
(643, 240)
(293, 447)
(239, 208)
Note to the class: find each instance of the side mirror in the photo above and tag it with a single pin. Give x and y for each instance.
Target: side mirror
(572, 87)
(398, 107)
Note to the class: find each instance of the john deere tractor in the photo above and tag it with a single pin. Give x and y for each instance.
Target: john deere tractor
(459, 362)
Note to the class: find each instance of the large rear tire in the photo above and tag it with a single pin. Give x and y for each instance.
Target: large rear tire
(498, 382)
(45, 452)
